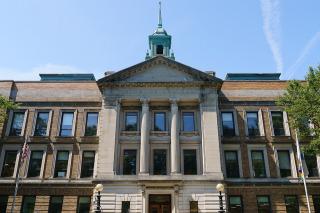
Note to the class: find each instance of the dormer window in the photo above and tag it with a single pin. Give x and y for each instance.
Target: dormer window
(159, 49)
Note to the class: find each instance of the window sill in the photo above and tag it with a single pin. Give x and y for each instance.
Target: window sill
(193, 133)
(130, 133)
(160, 133)
(255, 138)
(14, 138)
(65, 139)
(281, 138)
(39, 138)
(226, 139)
(89, 139)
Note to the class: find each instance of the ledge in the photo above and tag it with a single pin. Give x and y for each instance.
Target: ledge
(255, 139)
(281, 139)
(65, 139)
(159, 133)
(18, 139)
(231, 139)
(89, 139)
(128, 133)
(39, 139)
(189, 134)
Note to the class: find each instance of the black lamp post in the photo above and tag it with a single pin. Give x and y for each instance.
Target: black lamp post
(98, 189)
(220, 189)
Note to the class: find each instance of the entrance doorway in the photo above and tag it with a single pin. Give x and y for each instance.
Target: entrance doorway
(159, 203)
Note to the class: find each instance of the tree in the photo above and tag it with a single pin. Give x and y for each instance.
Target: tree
(302, 103)
(5, 104)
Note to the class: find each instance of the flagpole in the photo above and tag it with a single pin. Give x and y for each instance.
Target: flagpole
(302, 171)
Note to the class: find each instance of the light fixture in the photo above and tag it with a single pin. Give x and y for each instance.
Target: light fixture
(220, 187)
(98, 188)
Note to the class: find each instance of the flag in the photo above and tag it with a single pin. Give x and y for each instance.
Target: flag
(25, 152)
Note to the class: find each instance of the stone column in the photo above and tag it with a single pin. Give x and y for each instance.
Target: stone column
(175, 147)
(144, 146)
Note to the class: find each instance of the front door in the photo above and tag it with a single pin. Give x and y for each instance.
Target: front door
(159, 203)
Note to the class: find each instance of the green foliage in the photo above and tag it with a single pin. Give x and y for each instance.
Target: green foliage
(302, 103)
(5, 104)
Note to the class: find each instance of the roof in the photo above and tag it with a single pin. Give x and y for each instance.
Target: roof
(252, 76)
(67, 77)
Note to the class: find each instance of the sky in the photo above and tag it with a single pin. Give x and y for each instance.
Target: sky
(225, 36)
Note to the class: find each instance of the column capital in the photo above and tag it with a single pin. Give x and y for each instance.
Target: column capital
(174, 101)
(145, 101)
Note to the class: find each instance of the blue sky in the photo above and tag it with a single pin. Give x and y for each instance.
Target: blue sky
(62, 36)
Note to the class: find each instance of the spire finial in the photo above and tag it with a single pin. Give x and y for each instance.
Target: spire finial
(160, 16)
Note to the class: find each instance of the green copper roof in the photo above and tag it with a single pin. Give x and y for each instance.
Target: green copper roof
(252, 76)
(67, 77)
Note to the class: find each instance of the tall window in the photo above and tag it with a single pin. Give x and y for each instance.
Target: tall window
(55, 205)
(277, 122)
(61, 167)
(264, 205)
(66, 126)
(188, 121)
(253, 123)
(17, 124)
(228, 124)
(131, 123)
(87, 164)
(129, 162)
(194, 208)
(125, 207)
(284, 163)
(159, 49)
(9, 163)
(311, 161)
(35, 164)
(232, 164)
(190, 161)
(84, 204)
(28, 204)
(159, 121)
(3, 203)
(292, 204)
(159, 162)
(41, 124)
(91, 124)
(235, 204)
(258, 165)
(316, 203)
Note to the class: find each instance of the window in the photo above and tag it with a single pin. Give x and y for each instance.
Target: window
(257, 158)
(277, 122)
(91, 124)
(129, 162)
(228, 124)
(194, 207)
(17, 124)
(41, 124)
(125, 207)
(61, 164)
(66, 126)
(188, 121)
(316, 203)
(253, 124)
(55, 205)
(28, 203)
(9, 163)
(292, 204)
(159, 49)
(232, 164)
(311, 162)
(284, 163)
(235, 204)
(35, 164)
(159, 121)
(190, 161)
(84, 204)
(87, 164)
(263, 203)
(3, 203)
(159, 162)
(131, 123)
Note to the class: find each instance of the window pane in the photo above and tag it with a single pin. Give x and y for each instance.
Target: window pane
(277, 121)
(232, 165)
(316, 203)
(3, 203)
(87, 164)
(17, 123)
(125, 207)
(55, 204)
(159, 121)
(258, 164)
(9, 163)
(292, 204)
(235, 204)
(84, 204)
(41, 124)
(228, 124)
(311, 161)
(188, 121)
(66, 124)
(252, 123)
(92, 123)
(35, 163)
(129, 162)
(131, 121)
(284, 163)
(190, 161)
(28, 204)
(194, 207)
(160, 162)
(263, 204)
(61, 164)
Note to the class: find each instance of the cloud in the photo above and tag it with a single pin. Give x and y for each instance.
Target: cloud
(309, 46)
(33, 73)
(271, 26)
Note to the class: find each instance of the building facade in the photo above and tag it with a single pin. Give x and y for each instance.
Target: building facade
(159, 136)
